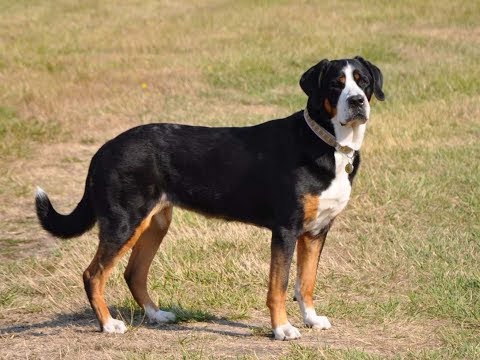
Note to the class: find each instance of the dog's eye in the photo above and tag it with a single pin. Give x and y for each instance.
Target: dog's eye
(342, 79)
(361, 81)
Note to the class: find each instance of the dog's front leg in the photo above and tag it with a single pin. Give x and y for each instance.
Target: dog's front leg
(282, 248)
(309, 249)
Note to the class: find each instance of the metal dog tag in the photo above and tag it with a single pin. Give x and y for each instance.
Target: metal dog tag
(349, 168)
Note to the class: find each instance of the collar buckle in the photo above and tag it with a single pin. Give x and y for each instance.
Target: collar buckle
(344, 149)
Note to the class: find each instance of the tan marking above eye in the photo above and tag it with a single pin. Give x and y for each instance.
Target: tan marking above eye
(342, 79)
(356, 76)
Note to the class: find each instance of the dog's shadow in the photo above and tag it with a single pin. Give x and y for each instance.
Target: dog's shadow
(187, 320)
(58, 322)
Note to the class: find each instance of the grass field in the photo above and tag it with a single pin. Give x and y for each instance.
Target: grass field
(400, 273)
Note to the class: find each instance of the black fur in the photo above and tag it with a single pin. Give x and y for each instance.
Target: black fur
(251, 174)
(80, 220)
(377, 77)
(254, 174)
(257, 174)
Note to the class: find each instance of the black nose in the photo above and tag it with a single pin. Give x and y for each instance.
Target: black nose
(356, 100)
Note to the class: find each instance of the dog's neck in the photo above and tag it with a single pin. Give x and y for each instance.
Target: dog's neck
(351, 136)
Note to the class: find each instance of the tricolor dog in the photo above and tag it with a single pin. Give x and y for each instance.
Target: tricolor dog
(292, 176)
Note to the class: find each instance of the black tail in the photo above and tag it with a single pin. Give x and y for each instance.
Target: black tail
(75, 224)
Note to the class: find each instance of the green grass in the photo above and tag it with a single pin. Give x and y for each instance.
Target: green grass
(400, 275)
(16, 134)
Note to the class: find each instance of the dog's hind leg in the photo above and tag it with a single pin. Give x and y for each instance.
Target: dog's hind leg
(142, 256)
(97, 273)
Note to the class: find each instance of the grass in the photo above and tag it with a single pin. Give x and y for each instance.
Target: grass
(399, 276)
(16, 134)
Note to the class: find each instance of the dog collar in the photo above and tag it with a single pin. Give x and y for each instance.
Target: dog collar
(330, 140)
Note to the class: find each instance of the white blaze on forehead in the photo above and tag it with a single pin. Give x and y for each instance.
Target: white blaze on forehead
(345, 135)
(351, 87)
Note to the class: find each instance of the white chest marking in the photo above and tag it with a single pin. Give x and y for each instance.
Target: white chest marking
(333, 199)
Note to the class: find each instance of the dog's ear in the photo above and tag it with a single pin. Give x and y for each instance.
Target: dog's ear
(312, 77)
(377, 77)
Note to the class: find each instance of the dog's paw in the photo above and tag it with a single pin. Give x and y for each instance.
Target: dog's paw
(161, 316)
(286, 332)
(318, 322)
(113, 326)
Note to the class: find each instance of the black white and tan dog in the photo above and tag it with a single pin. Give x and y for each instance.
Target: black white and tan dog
(292, 176)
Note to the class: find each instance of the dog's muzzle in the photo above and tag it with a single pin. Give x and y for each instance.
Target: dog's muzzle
(356, 110)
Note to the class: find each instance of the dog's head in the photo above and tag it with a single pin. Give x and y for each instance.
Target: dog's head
(343, 89)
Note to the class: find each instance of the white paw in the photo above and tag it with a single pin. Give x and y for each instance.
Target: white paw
(114, 326)
(161, 316)
(318, 322)
(286, 332)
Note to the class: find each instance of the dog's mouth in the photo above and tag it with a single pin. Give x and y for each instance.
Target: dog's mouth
(355, 120)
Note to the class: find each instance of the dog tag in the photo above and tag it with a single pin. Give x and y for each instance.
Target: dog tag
(349, 168)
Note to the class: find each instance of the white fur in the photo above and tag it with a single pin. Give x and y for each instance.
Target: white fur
(332, 200)
(347, 135)
(286, 332)
(40, 193)
(310, 317)
(159, 316)
(114, 326)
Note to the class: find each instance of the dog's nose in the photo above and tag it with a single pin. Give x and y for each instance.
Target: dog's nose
(356, 100)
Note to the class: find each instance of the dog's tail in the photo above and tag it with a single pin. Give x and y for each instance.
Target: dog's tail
(81, 219)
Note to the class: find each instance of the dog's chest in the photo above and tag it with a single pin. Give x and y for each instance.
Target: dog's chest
(320, 209)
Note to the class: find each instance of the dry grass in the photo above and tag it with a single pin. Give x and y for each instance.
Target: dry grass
(399, 276)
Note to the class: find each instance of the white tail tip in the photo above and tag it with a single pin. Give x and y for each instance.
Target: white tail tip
(40, 193)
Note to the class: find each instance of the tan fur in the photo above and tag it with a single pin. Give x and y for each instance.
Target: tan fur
(332, 111)
(309, 249)
(142, 256)
(107, 255)
(276, 292)
(310, 208)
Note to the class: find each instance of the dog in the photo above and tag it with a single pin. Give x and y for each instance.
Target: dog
(291, 175)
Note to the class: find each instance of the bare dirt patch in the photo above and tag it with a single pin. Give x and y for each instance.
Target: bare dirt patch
(75, 335)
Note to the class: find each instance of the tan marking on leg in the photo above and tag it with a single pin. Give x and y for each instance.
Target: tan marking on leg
(310, 208)
(309, 249)
(277, 288)
(97, 273)
(94, 279)
(142, 256)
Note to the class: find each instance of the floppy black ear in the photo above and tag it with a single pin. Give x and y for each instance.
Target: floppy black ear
(312, 77)
(377, 77)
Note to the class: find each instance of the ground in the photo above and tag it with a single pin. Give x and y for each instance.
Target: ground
(399, 276)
